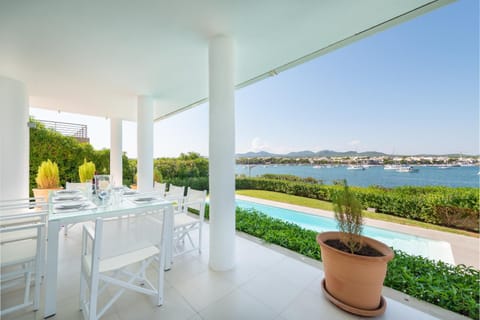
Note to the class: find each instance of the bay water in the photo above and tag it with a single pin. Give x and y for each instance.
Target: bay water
(374, 175)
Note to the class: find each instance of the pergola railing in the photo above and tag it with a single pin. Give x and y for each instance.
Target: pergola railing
(78, 131)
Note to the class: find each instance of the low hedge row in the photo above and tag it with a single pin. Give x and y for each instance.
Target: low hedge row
(455, 288)
(452, 207)
(198, 183)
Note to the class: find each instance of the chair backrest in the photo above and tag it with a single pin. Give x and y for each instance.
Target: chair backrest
(84, 187)
(176, 191)
(176, 194)
(21, 232)
(160, 188)
(22, 223)
(130, 233)
(22, 211)
(196, 199)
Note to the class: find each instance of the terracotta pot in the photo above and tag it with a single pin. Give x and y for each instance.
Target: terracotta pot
(43, 193)
(352, 280)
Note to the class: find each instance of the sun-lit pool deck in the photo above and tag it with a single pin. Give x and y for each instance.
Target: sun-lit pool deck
(268, 282)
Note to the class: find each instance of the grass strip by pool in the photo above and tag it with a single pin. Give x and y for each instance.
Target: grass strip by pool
(325, 205)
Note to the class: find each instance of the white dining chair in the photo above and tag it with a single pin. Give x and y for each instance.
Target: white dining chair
(86, 189)
(111, 250)
(176, 194)
(186, 223)
(22, 251)
(160, 188)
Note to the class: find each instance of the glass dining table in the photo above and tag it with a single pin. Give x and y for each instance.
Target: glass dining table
(64, 213)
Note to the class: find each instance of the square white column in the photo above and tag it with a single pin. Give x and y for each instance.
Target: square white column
(14, 140)
(116, 151)
(222, 153)
(145, 144)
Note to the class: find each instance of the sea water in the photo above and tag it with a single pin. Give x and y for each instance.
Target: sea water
(413, 245)
(375, 175)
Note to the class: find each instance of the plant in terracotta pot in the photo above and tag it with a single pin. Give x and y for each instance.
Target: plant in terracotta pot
(47, 179)
(86, 171)
(354, 265)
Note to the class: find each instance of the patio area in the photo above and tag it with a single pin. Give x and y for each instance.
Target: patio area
(268, 282)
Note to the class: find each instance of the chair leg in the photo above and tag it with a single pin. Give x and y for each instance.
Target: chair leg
(82, 290)
(36, 288)
(160, 284)
(200, 239)
(92, 314)
(28, 281)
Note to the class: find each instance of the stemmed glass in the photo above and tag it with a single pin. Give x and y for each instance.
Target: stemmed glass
(102, 187)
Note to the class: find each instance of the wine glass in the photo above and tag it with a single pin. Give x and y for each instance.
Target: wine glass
(102, 187)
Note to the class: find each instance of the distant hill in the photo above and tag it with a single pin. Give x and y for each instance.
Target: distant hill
(301, 154)
(260, 154)
(310, 154)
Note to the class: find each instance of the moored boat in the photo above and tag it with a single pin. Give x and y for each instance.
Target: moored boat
(407, 169)
(355, 167)
(391, 167)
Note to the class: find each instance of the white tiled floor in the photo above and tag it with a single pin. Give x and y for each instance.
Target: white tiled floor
(265, 284)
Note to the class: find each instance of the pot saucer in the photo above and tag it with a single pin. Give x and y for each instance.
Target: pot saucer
(361, 312)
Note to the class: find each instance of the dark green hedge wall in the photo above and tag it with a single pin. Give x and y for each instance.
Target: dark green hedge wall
(453, 207)
(68, 153)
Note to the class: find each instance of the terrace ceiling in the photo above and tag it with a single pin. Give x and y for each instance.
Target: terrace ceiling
(95, 57)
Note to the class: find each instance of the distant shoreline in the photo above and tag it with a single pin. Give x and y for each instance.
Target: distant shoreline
(378, 161)
(373, 175)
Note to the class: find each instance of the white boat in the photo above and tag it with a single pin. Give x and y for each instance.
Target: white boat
(407, 169)
(391, 167)
(355, 167)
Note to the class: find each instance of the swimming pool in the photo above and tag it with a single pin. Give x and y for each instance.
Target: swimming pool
(432, 249)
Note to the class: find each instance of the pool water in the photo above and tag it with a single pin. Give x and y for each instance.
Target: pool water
(431, 249)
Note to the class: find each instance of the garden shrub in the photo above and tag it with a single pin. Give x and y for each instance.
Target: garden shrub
(427, 204)
(455, 288)
(69, 154)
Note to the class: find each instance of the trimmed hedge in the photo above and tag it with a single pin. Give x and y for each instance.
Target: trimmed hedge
(455, 288)
(69, 154)
(198, 183)
(452, 207)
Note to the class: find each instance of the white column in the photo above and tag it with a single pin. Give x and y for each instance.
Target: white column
(222, 153)
(116, 151)
(145, 143)
(14, 140)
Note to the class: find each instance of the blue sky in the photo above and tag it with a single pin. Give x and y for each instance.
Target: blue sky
(411, 89)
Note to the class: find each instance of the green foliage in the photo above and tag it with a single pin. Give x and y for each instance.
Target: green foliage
(453, 207)
(102, 161)
(289, 177)
(129, 169)
(47, 175)
(285, 234)
(190, 170)
(67, 152)
(86, 171)
(198, 183)
(348, 213)
(455, 288)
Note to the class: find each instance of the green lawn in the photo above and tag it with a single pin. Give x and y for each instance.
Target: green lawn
(324, 205)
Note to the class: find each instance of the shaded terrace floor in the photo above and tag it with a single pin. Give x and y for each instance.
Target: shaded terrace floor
(268, 282)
